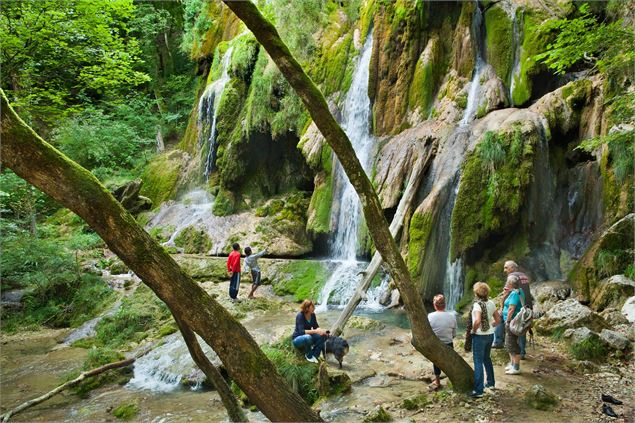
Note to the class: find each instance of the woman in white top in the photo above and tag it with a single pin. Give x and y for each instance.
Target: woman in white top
(484, 317)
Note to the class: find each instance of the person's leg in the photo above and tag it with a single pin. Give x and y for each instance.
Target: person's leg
(303, 343)
(487, 361)
(478, 349)
(499, 335)
(522, 343)
(233, 285)
(318, 345)
(437, 375)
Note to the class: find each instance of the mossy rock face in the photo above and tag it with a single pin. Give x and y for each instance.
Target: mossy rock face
(539, 398)
(498, 29)
(193, 240)
(419, 232)
(161, 176)
(493, 186)
(610, 254)
(301, 278)
(204, 268)
(613, 292)
(126, 411)
(332, 382)
(427, 76)
(378, 415)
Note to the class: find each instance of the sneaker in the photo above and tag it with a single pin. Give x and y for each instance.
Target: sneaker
(509, 366)
(473, 394)
(311, 359)
(490, 388)
(512, 371)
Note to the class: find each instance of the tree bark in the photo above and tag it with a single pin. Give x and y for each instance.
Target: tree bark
(423, 338)
(395, 227)
(94, 372)
(234, 411)
(39, 163)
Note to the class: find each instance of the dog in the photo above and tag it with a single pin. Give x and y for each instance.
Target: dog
(336, 346)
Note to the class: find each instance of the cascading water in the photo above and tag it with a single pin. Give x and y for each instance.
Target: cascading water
(517, 38)
(208, 112)
(473, 97)
(348, 215)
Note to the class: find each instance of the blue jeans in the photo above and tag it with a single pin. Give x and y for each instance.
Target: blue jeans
(234, 284)
(313, 343)
(499, 334)
(481, 348)
(522, 343)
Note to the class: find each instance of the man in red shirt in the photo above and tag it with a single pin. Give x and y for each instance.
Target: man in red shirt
(233, 267)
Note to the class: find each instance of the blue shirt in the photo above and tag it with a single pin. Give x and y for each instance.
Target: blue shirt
(513, 299)
(301, 324)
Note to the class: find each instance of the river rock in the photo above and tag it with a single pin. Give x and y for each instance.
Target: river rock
(539, 398)
(612, 292)
(569, 314)
(378, 414)
(615, 340)
(628, 309)
(331, 382)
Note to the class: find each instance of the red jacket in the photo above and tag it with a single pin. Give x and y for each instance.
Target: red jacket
(233, 262)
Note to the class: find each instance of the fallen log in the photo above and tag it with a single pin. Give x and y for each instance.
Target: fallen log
(70, 383)
(395, 227)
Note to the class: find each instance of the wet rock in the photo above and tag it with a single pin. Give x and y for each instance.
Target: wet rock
(378, 414)
(628, 309)
(569, 314)
(12, 299)
(128, 195)
(612, 292)
(615, 340)
(539, 398)
(332, 382)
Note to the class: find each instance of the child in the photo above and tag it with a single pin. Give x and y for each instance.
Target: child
(233, 267)
(252, 262)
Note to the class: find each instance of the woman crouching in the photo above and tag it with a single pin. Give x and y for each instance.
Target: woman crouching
(307, 336)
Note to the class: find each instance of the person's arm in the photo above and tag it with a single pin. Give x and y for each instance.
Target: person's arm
(497, 317)
(260, 254)
(315, 327)
(510, 314)
(476, 318)
(229, 265)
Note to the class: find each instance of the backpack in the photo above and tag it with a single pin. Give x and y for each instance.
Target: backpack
(523, 320)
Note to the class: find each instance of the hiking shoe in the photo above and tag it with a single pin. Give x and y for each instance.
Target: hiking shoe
(512, 371)
(490, 388)
(608, 410)
(509, 366)
(311, 359)
(474, 394)
(610, 399)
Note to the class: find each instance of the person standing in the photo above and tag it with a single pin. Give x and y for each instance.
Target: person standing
(485, 317)
(251, 261)
(233, 267)
(444, 326)
(308, 336)
(510, 310)
(499, 331)
(511, 268)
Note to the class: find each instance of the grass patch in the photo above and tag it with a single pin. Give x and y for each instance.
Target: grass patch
(590, 348)
(126, 411)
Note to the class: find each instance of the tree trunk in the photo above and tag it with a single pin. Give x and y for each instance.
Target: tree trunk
(423, 338)
(228, 398)
(94, 372)
(36, 161)
(395, 226)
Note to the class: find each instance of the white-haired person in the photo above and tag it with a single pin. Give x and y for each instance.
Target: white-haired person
(444, 326)
(511, 268)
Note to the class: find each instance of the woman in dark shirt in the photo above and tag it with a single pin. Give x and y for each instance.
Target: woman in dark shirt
(307, 336)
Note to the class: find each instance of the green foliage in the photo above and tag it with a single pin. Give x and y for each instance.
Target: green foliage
(58, 293)
(161, 176)
(292, 366)
(416, 402)
(584, 40)
(302, 278)
(499, 41)
(491, 151)
(193, 241)
(244, 56)
(126, 411)
(591, 348)
(57, 52)
(139, 314)
(20, 200)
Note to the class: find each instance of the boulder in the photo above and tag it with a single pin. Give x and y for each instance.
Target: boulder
(539, 398)
(378, 414)
(628, 309)
(578, 335)
(615, 340)
(546, 294)
(612, 292)
(128, 195)
(613, 317)
(332, 382)
(569, 314)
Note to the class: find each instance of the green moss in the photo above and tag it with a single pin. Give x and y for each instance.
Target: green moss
(537, 397)
(499, 38)
(302, 279)
(493, 184)
(415, 403)
(535, 41)
(161, 176)
(334, 67)
(193, 241)
(244, 56)
(427, 76)
(378, 415)
(366, 15)
(420, 226)
(591, 348)
(292, 366)
(126, 411)
(319, 213)
(224, 204)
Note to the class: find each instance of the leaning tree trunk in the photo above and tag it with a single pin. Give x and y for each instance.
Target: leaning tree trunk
(228, 398)
(36, 161)
(423, 338)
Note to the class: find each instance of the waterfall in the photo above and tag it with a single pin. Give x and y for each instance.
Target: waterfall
(453, 279)
(473, 97)
(348, 214)
(517, 38)
(208, 113)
